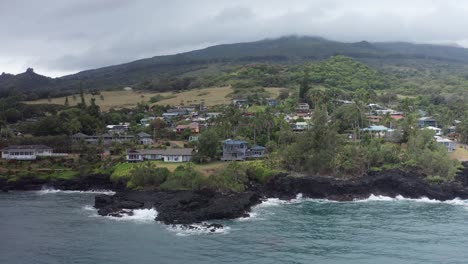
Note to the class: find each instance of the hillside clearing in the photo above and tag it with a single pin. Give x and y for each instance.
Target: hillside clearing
(128, 99)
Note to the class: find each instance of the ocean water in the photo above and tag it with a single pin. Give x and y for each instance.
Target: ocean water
(62, 227)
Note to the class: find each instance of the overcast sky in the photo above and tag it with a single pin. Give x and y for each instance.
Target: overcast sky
(58, 37)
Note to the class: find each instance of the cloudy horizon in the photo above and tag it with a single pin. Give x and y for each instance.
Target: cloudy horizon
(62, 37)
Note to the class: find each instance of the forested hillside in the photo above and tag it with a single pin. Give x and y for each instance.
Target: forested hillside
(414, 63)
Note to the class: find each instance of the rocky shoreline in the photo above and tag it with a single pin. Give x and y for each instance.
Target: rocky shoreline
(84, 183)
(186, 207)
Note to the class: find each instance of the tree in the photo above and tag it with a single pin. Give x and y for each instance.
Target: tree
(66, 101)
(315, 150)
(208, 146)
(93, 109)
(304, 85)
(462, 130)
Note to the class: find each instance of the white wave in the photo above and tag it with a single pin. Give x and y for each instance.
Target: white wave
(136, 215)
(197, 229)
(52, 191)
(299, 199)
(456, 201)
(89, 208)
(252, 216)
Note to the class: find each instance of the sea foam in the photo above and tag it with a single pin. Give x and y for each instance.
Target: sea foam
(197, 229)
(52, 191)
(373, 198)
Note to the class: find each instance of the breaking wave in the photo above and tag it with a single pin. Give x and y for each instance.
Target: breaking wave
(197, 229)
(52, 191)
(136, 215)
(372, 198)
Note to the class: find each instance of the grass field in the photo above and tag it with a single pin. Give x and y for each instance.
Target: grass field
(460, 154)
(123, 169)
(117, 99)
(120, 99)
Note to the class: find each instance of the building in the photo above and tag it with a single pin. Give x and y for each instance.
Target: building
(194, 128)
(437, 131)
(193, 138)
(166, 155)
(447, 143)
(303, 108)
(212, 115)
(301, 126)
(397, 116)
(121, 128)
(144, 138)
(28, 152)
(238, 150)
(105, 139)
(427, 121)
(271, 102)
(239, 102)
(178, 111)
(178, 155)
(234, 150)
(374, 119)
(384, 111)
(377, 130)
(169, 116)
(147, 120)
(256, 152)
(343, 102)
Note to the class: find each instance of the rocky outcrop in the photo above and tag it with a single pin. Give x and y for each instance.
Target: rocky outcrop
(181, 207)
(388, 183)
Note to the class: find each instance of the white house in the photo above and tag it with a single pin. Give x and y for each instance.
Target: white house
(28, 152)
(167, 155)
(301, 126)
(178, 155)
(437, 131)
(448, 144)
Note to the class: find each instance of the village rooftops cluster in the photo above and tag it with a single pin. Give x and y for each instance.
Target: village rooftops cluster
(107, 139)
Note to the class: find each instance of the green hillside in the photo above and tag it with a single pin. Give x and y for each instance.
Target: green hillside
(208, 67)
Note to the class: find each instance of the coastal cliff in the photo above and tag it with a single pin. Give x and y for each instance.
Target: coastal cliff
(195, 206)
(187, 207)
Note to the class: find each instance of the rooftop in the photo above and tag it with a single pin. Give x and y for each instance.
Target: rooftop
(26, 147)
(234, 142)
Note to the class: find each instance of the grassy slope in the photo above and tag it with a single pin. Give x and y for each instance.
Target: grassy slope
(123, 169)
(460, 154)
(120, 99)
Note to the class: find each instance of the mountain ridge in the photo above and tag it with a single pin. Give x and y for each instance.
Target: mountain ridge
(283, 50)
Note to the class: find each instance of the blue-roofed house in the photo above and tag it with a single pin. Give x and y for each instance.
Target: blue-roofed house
(378, 130)
(234, 150)
(238, 150)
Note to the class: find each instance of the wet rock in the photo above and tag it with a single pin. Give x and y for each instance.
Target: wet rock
(181, 207)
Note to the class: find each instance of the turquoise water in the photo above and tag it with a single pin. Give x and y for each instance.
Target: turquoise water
(61, 227)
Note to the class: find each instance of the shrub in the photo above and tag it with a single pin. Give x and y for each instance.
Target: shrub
(147, 175)
(183, 178)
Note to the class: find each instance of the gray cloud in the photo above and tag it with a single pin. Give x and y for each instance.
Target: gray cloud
(59, 37)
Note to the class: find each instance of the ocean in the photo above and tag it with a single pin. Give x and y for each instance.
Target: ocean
(62, 227)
